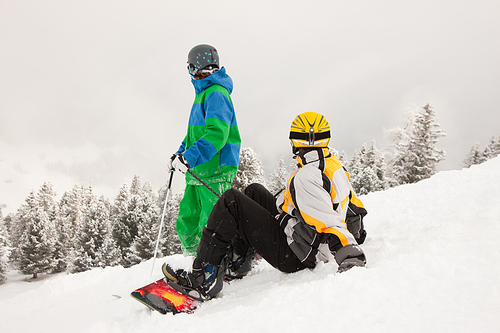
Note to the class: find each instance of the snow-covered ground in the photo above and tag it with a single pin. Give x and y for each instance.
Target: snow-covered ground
(433, 266)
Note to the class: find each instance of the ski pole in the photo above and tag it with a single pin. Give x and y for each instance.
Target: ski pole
(162, 219)
(203, 183)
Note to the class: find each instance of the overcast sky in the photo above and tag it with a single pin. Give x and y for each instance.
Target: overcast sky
(102, 87)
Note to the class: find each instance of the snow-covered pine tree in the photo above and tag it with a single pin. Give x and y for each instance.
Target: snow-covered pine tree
(3, 249)
(358, 174)
(70, 217)
(278, 178)
(8, 222)
(355, 167)
(492, 149)
(488, 152)
(169, 241)
(46, 200)
(395, 151)
(376, 160)
(93, 240)
(135, 186)
(146, 215)
(72, 206)
(19, 225)
(131, 209)
(37, 243)
(122, 233)
(370, 156)
(63, 246)
(108, 253)
(366, 181)
(250, 170)
(496, 147)
(416, 155)
(476, 156)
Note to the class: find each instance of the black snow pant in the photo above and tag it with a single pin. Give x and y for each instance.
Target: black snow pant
(247, 220)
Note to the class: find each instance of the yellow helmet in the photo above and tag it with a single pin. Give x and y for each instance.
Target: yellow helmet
(309, 130)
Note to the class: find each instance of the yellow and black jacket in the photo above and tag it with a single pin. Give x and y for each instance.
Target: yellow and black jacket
(319, 207)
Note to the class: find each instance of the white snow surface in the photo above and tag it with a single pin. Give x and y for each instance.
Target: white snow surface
(433, 266)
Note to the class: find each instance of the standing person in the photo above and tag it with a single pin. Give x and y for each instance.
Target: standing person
(211, 147)
(316, 216)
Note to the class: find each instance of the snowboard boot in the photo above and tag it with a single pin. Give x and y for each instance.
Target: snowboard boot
(169, 273)
(239, 266)
(204, 282)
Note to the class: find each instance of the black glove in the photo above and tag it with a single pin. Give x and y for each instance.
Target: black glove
(356, 227)
(362, 237)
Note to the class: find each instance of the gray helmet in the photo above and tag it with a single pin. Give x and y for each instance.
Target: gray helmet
(201, 56)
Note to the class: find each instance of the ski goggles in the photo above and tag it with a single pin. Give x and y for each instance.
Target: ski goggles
(210, 69)
(192, 69)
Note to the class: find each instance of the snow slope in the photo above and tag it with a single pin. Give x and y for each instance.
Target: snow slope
(433, 266)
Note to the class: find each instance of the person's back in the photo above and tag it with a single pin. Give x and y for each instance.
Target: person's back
(210, 149)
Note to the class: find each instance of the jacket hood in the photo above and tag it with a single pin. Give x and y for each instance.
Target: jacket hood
(220, 77)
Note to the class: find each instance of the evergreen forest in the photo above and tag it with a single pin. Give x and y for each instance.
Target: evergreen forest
(82, 230)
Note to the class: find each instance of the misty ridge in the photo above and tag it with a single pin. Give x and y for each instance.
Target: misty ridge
(83, 230)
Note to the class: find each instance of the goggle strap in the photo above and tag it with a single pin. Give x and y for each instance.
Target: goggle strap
(306, 136)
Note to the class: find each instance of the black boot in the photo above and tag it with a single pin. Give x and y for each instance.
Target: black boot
(239, 266)
(204, 282)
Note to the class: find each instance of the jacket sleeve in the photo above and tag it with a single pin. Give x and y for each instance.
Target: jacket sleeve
(354, 218)
(182, 147)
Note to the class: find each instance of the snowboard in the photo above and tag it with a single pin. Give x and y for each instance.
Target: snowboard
(161, 297)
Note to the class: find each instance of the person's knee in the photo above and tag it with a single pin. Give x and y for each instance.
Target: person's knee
(253, 188)
(230, 198)
(231, 193)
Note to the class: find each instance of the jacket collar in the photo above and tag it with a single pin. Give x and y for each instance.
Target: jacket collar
(220, 77)
(311, 156)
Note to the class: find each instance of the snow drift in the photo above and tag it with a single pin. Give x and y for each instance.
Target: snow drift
(433, 266)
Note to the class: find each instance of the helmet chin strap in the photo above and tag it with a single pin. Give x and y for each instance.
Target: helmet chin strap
(296, 150)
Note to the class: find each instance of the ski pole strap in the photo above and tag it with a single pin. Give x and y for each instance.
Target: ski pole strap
(203, 183)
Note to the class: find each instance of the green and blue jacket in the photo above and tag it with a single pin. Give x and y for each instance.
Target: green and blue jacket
(212, 143)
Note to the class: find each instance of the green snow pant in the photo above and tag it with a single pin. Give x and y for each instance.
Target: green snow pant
(194, 209)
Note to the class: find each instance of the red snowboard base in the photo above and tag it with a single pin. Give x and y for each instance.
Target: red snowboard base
(159, 296)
